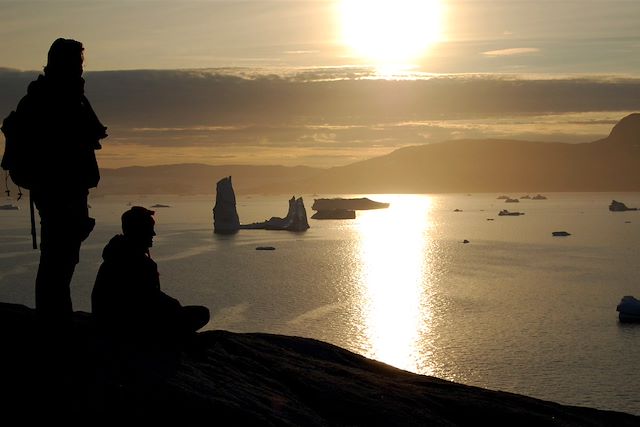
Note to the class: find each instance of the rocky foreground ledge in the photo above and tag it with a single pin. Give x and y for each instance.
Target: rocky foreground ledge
(243, 379)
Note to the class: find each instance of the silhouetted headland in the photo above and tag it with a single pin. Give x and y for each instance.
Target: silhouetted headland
(246, 379)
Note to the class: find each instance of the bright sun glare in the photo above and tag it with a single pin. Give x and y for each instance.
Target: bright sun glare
(395, 280)
(391, 32)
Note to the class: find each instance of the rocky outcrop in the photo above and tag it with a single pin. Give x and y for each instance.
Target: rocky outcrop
(225, 215)
(616, 206)
(226, 378)
(296, 219)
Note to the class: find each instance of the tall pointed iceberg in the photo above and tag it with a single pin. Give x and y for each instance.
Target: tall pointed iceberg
(225, 215)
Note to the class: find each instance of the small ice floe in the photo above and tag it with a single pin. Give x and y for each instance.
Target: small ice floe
(505, 212)
(560, 233)
(616, 206)
(629, 309)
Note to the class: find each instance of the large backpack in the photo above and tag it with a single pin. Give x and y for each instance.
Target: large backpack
(17, 158)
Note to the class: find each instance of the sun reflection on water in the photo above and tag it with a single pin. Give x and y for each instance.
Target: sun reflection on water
(394, 271)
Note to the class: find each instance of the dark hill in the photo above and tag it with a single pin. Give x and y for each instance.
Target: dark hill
(610, 164)
(627, 131)
(194, 178)
(243, 379)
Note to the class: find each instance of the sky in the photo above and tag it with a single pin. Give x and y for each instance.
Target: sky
(326, 83)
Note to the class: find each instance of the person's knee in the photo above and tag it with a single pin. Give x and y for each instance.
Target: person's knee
(197, 316)
(203, 315)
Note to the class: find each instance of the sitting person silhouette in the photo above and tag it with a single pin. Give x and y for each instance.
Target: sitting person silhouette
(127, 303)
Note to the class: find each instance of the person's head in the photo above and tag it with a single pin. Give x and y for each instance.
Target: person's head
(65, 59)
(137, 226)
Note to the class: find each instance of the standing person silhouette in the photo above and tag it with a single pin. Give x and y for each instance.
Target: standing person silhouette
(64, 132)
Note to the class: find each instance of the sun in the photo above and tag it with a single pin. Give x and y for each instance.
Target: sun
(391, 32)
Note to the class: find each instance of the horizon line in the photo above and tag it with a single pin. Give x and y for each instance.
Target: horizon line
(369, 72)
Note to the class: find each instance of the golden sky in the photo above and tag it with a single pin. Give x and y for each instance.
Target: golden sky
(441, 36)
(326, 83)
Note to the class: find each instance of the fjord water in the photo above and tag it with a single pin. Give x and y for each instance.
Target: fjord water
(515, 309)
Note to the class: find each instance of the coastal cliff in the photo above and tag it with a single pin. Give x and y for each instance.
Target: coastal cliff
(225, 378)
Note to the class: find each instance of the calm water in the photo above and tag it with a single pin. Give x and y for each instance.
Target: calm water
(515, 309)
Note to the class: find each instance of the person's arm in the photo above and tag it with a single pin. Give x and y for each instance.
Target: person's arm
(167, 303)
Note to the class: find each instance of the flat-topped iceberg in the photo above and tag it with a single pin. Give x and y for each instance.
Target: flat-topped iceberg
(359, 204)
(335, 214)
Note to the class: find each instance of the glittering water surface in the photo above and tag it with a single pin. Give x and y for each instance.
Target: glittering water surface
(514, 309)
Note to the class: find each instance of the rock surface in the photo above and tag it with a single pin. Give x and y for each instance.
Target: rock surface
(228, 378)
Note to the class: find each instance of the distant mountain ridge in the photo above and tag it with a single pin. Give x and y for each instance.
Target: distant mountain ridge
(493, 165)
(195, 178)
(609, 164)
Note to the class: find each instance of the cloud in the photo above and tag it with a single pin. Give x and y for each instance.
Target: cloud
(231, 100)
(213, 115)
(301, 52)
(515, 51)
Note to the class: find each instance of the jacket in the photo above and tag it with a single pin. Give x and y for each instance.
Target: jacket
(62, 132)
(126, 297)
